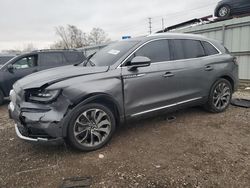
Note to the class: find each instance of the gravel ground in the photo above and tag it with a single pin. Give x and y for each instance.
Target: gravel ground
(198, 149)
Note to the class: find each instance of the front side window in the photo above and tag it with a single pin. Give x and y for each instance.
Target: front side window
(186, 49)
(26, 62)
(156, 51)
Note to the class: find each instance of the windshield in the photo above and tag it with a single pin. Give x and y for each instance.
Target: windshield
(112, 53)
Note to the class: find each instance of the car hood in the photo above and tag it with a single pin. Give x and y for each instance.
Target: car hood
(51, 76)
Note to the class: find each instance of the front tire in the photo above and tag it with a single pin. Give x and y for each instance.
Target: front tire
(224, 11)
(91, 127)
(220, 96)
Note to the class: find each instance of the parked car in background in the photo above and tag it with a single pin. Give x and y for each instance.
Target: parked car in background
(29, 63)
(226, 8)
(84, 104)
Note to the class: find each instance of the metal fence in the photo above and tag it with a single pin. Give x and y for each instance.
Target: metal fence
(234, 34)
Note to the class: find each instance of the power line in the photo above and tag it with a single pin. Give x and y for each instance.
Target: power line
(150, 25)
(193, 9)
(162, 24)
(134, 27)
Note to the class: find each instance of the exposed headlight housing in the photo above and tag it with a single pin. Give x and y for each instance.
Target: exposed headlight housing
(44, 96)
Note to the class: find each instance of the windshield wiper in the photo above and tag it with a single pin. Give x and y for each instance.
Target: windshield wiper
(89, 61)
(86, 61)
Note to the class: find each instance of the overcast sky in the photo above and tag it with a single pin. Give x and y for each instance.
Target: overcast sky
(34, 21)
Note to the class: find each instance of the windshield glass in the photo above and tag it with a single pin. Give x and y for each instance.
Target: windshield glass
(111, 53)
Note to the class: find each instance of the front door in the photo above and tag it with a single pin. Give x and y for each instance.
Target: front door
(22, 67)
(142, 93)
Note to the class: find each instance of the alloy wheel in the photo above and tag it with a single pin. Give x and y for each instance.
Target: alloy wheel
(92, 127)
(221, 96)
(223, 11)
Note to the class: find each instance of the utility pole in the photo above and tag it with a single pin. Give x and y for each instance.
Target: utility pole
(162, 24)
(150, 25)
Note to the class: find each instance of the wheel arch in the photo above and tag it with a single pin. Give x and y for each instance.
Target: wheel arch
(3, 92)
(230, 79)
(100, 98)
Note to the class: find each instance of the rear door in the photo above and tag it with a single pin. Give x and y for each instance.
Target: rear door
(240, 6)
(247, 2)
(142, 93)
(49, 60)
(182, 78)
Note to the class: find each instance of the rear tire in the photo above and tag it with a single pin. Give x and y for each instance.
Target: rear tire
(224, 11)
(1, 97)
(91, 127)
(220, 96)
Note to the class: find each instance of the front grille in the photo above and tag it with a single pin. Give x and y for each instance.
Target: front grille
(23, 130)
(22, 120)
(34, 132)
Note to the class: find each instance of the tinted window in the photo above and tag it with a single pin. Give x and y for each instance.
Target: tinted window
(73, 57)
(51, 59)
(113, 52)
(157, 51)
(25, 62)
(186, 49)
(210, 50)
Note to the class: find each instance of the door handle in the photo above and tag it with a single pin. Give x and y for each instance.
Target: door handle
(168, 74)
(209, 68)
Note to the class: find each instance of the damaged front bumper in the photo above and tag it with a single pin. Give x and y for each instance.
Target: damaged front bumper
(38, 122)
(38, 139)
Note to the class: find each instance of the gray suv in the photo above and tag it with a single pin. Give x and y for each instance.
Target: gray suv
(83, 104)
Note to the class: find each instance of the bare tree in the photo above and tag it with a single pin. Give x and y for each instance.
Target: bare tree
(70, 37)
(98, 36)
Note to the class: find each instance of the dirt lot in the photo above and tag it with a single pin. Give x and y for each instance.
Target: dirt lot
(198, 149)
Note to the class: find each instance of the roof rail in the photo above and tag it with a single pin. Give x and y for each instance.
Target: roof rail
(48, 50)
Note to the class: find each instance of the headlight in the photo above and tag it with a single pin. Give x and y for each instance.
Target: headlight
(45, 96)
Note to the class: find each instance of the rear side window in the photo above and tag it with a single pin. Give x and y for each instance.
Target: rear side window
(157, 51)
(52, 59)
(209, 49)
(73, 57)
(186, 49)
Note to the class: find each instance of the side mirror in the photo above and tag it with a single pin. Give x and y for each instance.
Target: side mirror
(10, 68)
(139, 61)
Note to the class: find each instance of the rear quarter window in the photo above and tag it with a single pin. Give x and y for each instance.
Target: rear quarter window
(209, 48)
